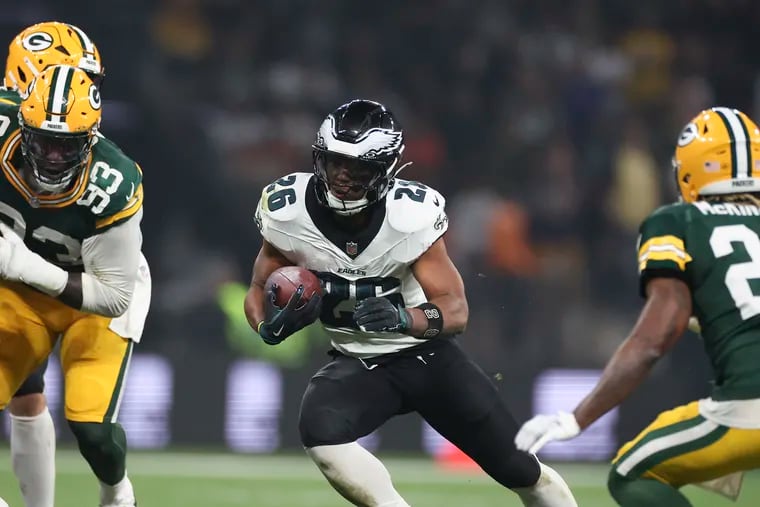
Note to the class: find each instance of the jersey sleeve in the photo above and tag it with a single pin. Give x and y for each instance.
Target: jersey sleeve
(117, 191)
(418, 211)
(280, 210)
(662, 249)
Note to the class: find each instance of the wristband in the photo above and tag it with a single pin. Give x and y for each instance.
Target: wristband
(434, 319)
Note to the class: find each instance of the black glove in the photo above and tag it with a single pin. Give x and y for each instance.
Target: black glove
(281, 323)
(379, 314)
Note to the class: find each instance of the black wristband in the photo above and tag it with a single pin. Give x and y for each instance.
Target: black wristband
(434, 318)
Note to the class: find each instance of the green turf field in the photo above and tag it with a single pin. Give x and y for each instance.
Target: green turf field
(170, 479)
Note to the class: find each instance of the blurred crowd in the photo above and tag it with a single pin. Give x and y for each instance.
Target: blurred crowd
(548, 125)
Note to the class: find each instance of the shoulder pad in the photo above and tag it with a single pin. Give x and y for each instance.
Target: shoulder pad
(279, 207)
(114, 192)
(412, 207)
(278, 198)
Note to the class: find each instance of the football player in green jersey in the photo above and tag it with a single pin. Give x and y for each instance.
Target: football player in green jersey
(70, 261)
(32, 433)
(699, 257)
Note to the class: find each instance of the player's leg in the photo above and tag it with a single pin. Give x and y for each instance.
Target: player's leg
(26, 343)
(343, 402)
(680, 447)
(33, 441)
(463, 405)
(95, 361)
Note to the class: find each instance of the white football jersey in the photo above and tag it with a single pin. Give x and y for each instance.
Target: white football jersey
(375, 261)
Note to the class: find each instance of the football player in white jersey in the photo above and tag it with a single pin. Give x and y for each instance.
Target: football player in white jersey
(392, 302)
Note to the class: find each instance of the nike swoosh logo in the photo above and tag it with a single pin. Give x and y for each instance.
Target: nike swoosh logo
(436, 202)
(279, 331)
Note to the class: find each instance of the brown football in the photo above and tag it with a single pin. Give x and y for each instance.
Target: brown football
(288, 279)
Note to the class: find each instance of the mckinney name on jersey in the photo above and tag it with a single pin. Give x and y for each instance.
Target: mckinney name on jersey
(715, 248)
(375, 261)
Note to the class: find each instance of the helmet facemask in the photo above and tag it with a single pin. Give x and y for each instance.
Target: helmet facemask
(348, 185)
(55, 159)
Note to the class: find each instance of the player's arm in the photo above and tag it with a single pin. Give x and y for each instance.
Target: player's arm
(443, 287)
(267, 261)
(662, 322)
(110, 269)
(445, 312)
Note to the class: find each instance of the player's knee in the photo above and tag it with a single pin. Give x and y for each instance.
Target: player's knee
(518, 470)
(94, 437)
(323, 426)
(27, 405)
(34, 384)
(616, 483)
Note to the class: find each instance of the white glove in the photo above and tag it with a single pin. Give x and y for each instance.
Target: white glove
(543, 429)
(19, 264)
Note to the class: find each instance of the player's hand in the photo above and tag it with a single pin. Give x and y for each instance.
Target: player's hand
(16, 260)
(379, 314)
(283, 322)
(543, 429)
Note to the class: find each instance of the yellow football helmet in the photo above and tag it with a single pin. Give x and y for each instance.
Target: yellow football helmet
(50, 43)
(59, 116)
(718, 152)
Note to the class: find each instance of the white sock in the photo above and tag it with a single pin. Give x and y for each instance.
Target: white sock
(357, 475)
(119, 495)
(33, 457)
(550, 491)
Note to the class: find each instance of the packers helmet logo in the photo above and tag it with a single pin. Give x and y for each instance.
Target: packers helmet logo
(688, 134)
(37, 41)
(94, 97)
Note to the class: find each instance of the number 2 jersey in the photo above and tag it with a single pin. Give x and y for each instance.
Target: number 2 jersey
(715, 249)
(375, 261)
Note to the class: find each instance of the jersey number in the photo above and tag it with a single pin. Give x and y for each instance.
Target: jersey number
(282, 197)
(67, 249)
(739, 275)
(341, 295)
(416, 194)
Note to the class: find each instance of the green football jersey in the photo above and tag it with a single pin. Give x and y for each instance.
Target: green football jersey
(715, 249)
(106, 193)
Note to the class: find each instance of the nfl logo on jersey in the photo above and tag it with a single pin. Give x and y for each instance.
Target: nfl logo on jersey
(352, 247)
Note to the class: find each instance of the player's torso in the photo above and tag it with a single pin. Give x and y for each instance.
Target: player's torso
(55, 226)
(723, 241)
(374, 262)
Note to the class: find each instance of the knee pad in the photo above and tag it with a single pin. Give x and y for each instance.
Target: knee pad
(518, 470)
(97, 436)
(324, 426)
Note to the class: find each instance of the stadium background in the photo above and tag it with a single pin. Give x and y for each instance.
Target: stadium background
(547, 125)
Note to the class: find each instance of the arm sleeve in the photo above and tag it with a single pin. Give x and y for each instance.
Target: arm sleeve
(110, 261)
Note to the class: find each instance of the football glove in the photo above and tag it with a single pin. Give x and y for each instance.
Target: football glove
(379, 314)
(543, 429)
(283, 322)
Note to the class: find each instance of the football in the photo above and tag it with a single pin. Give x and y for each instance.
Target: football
(288, 279)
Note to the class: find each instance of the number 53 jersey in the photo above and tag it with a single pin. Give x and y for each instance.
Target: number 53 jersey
(714, 248)
(354, 264)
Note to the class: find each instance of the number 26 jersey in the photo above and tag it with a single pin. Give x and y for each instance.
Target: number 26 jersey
(355, 264)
